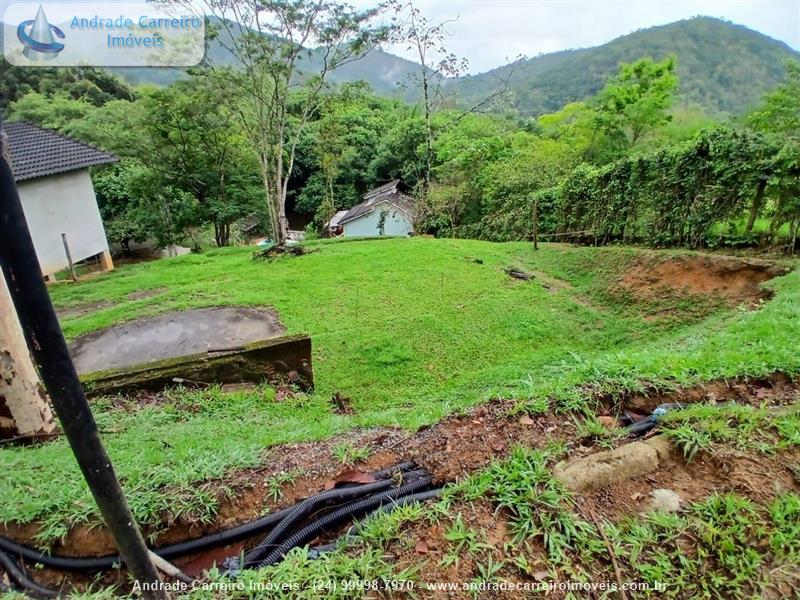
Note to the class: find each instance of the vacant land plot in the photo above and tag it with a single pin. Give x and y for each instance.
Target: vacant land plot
(407, 332)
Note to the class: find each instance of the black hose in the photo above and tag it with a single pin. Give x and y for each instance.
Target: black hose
(222, 538)
(19, 577)
(310, 504)
(109, 561)
(387, 508)
(305, 507)
(348, 511)
(104, 563)
(409, 465)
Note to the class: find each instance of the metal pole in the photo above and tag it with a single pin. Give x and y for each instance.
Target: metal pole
(49, 351)
(536, 224)
(69, 257)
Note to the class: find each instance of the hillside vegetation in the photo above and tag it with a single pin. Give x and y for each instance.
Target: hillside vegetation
(722, 67)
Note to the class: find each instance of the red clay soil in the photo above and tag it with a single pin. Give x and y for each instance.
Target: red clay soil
(776, 389)
(450, 449)
(759, 477)
(733, 280)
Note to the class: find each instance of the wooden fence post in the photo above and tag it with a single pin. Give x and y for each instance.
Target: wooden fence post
(69, 258)
(24, 409)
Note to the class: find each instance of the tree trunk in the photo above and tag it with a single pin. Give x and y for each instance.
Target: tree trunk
(222, 234)
(426, 178)
(24, 409)
(271, 200)
(755, 208)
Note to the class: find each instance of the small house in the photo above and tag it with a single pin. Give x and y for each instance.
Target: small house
(384, 211)
(52, 175)
(333, 227)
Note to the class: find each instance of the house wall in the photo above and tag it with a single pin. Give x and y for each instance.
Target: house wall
(397, 223)
(63, 203)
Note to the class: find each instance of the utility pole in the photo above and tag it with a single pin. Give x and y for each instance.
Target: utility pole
(48, 349)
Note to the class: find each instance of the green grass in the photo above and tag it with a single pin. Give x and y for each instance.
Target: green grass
(410, 330)
(724, 546)
(704, 427)
(347, 454)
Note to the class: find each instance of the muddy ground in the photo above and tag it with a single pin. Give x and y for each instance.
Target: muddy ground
(173, 334)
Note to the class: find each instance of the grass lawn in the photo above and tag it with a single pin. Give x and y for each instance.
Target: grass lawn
(410, 330)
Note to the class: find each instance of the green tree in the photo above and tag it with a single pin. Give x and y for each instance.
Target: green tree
(426, 39)
(197, 147)
(635, 102)
(779, 112)
(96, 86)
(137, 205)
(51, 112)
(784, 187)
(270, 40)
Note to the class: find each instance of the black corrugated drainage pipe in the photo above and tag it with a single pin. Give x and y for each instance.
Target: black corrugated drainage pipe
(309, 505)
(354, 509)
(18, 576)
(316, 551)
(214, 540)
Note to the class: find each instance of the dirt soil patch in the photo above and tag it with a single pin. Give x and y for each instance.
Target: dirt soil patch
(732, 280)
(777, 389)
(71, 312)
(758, 477)
(450, 449)
(173, 334)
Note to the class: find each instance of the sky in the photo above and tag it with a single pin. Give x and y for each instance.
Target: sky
(490, 33)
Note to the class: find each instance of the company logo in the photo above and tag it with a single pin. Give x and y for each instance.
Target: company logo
(37, 37)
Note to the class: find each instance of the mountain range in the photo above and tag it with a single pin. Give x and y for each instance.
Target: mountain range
(722, 67)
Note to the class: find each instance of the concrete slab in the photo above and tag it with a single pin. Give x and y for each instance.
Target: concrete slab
(171, 335)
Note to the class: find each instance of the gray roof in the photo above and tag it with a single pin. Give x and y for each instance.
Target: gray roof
(388, 192)
(37, 152)
(386, 188)
(334, 222)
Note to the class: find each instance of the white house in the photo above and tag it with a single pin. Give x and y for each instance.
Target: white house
(332, 227)
(385, 211)
(52, 175)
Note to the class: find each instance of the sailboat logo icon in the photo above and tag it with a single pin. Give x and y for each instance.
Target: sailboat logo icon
(37, 37)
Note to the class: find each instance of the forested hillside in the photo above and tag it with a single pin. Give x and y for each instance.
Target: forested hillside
(722, 67)
(639, 160)
(384, 72)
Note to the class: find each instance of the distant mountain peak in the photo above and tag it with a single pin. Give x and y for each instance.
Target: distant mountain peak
(722, 66)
